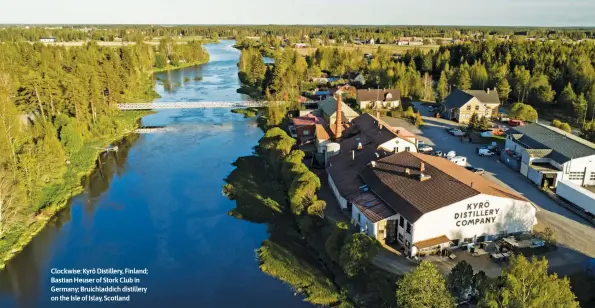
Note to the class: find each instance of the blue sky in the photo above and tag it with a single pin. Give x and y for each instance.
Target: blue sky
(362, 12)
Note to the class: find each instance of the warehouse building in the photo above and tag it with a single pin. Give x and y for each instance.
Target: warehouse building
(548, 155)
(421, 203)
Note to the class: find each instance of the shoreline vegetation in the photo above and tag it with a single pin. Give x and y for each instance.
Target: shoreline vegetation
(326, 262)
(70, 189)
(58, 116)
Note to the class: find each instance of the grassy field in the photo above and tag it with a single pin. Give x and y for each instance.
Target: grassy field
(373, 48)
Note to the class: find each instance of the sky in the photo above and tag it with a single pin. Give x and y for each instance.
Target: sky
(553, 13)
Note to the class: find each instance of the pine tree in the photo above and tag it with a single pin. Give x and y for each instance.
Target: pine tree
(463, 80)
(503, 88)
(567, 98)
(442, 87)
(473, 124)
(580, 108)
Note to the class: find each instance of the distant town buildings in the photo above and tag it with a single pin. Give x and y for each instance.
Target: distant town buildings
(50, 39)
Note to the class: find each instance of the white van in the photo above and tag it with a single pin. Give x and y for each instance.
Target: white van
(459, 160)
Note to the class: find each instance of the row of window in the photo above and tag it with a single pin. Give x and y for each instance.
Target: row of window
(488, 110)
(576, 175)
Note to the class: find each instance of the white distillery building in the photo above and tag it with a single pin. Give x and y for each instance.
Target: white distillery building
(550, 154)
(424, 203)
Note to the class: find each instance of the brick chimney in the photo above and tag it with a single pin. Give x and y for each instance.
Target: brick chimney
(339, 117)
(422, 167)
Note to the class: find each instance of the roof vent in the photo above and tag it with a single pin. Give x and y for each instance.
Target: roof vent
(373, 163)
(377, 155)
(424, 177)
(359, 146)
(407, 171)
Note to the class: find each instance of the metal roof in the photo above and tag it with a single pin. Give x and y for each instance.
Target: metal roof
(564, 146)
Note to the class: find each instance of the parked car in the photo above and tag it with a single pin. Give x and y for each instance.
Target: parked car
(459, 133)
(503, 118)
(485, 152)
(424, 148)
(459, 160)
(486, 134)
(451, 130)
(515, 123)
(438, 153)
(479, 171)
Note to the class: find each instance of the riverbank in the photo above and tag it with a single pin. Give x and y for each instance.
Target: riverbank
(81, 165)
(170, 67)
(305, 247)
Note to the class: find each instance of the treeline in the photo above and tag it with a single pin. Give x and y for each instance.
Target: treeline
(57, 108)
(170, 53)
(294, 33)
(556, 79)
(552, 79)
(523, 283)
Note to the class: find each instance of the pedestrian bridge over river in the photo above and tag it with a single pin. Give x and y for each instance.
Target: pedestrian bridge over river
(186, 105)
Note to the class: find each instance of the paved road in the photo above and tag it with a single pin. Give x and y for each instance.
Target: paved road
(576, 237)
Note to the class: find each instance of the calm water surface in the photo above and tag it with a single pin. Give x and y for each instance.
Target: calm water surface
(157, 204)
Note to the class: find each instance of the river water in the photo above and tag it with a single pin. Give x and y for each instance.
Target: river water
(157, 204)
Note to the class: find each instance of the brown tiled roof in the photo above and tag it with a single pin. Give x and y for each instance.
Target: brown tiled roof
(368, 125)
(406, 194)
(378, 94)
(373, 208)
(432, 242)
(308, 119)
(345, 166)
(321, 132)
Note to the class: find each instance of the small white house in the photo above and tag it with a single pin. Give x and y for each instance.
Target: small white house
(47, 40)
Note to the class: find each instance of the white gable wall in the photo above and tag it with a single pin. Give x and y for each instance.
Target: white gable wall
(584, 165)
(400, 144)
(477, 216)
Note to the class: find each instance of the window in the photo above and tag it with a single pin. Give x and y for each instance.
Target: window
(359, 218)
(488, 111)
(306, 132)
(401, 222)
(469, 107)
(455, 242)
(468, 240)
(400, 237)
(408, 228)
(407, 244)
(576, 175)
(592, 177)
(407, 149)
(477, 108)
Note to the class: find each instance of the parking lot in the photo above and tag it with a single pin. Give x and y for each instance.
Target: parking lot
(576, 238)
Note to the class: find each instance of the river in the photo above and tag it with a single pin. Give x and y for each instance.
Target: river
(157, 204)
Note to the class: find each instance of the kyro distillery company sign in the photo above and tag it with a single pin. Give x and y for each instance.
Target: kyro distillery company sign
(477, 213)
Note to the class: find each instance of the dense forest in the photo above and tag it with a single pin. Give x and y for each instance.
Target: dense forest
(554, 78)
(57, 109)
(295, 33)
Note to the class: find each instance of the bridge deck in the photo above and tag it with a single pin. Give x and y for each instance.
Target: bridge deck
(184, 105)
